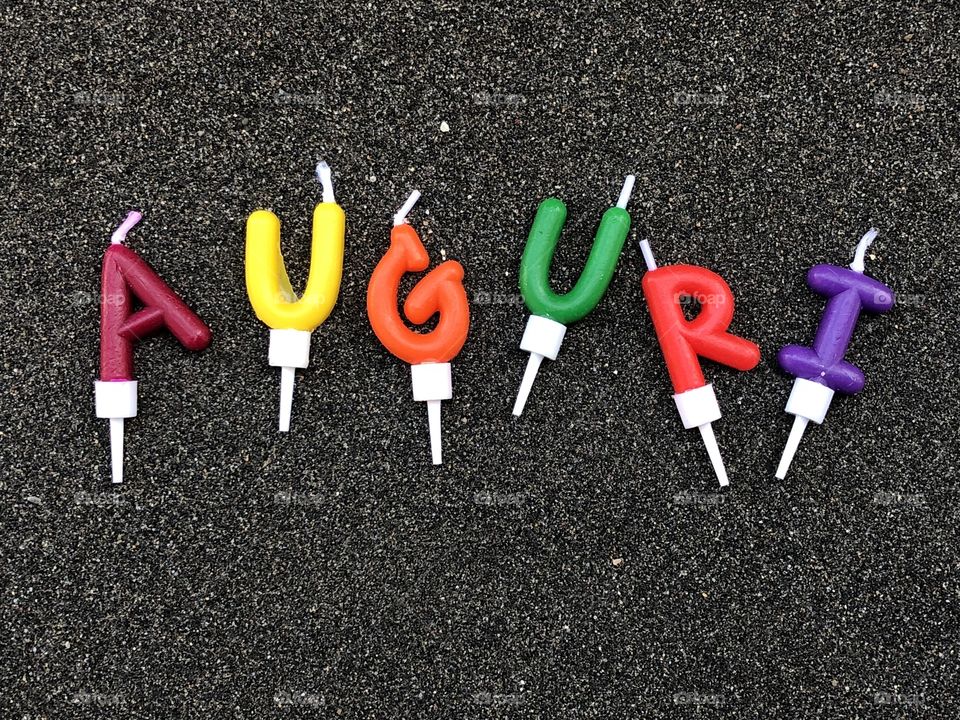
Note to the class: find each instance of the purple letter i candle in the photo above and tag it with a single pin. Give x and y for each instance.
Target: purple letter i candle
(821, 370)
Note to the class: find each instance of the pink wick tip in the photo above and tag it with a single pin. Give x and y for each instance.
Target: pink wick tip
(120, 234)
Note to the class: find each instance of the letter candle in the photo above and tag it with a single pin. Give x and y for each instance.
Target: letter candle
(551, 313)
(821, 370)
(125, 277)
(441, 291)
(292, 320)
(683, 341)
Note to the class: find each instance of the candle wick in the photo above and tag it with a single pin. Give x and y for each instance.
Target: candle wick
(401, 215)
(626, 192)
(325, 176)
(120, 234)
(858, 257)
(648, 255)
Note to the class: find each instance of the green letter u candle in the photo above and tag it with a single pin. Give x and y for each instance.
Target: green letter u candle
(551, 313)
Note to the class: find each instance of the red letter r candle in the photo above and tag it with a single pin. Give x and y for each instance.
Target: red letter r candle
(683, 342)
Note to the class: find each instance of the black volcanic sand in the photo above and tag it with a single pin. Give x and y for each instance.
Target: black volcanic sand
(578, 562)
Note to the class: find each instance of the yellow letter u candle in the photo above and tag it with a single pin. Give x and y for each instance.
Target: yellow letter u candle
(291, 320)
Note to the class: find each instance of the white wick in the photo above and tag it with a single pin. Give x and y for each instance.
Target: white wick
(401, 215)
(626, 191)
(648, 255)
(325, 176)
(865, 242)
(120, 234)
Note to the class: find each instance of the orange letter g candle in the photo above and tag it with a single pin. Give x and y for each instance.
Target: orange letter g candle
(441, 291)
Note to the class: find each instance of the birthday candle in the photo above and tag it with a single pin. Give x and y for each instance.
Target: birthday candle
(441, 291)
(684, 341)
(551, 313)
(126, 276)
(821, 370)
(292, 320)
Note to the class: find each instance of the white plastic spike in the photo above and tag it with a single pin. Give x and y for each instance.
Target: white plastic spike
(626, 191)
(436, 443)
(405, 209)
(648, 255)
(120, 234)
(116, 450)
(698, 408)
(542, 338)
(793, 442)
(809, 401)
(861, 251)
(325, 176)
(287, 376)
(289, 350)
(432, 383)
(713, 450)
(526, 385)
(116, 400)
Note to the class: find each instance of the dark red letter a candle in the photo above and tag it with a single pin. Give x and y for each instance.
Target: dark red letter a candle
(684, 341)
(125, 277)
